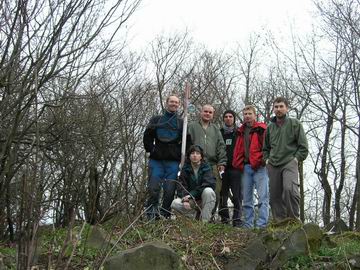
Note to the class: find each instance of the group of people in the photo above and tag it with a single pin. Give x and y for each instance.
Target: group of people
(231, 162)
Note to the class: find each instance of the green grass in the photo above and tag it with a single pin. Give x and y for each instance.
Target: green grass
(347, 244)
(201, 246)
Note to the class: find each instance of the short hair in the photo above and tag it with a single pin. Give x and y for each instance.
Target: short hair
(208, 105)
(167, 99)
(281, 99)
(249, 108)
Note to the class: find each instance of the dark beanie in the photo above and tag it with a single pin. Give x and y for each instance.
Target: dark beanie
(196, 148)
(230, 111)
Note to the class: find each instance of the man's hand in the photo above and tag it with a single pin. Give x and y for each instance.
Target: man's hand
(187, 205)
(263, 162)
(221, 170)
(186, 202)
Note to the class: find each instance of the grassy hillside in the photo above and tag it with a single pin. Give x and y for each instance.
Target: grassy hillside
(201, 246)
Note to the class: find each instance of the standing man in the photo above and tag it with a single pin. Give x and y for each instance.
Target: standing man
(285, 146)
(248, 157)
(162, 143)
(208, 136)
(232, 176)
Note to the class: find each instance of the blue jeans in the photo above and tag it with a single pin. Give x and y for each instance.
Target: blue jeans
(255, 179)
(162, 174)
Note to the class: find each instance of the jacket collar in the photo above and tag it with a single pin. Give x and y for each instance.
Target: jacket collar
(273, 119)
(255, 125)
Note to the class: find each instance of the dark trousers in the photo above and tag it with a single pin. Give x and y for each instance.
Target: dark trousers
(231, 181)
(284, 190)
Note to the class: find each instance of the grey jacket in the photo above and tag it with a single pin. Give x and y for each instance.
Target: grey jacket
(211, 140)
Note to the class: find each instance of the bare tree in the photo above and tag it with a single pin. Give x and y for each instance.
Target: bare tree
(168, 55)
(44, 43)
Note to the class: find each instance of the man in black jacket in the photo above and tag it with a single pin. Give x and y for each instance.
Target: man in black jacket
(232, 177)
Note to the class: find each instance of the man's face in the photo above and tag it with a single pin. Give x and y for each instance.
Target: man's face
(173, 103)
(280, 109)
(195, 157)
(249, 116)
(207, 113)
(229, 120)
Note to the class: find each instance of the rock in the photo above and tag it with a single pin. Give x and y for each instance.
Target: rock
(337, 226)
(257, 250)
(354, 261)
(295, 245)
(2, 264)
(314, 236)
(97, 238)
(244, 262)
(273, 241)
(150, 256)
(257, 253)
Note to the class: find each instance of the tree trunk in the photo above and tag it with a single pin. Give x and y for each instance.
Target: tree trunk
(357, 192)
(93, 197)
(342, 169)
(323, 174)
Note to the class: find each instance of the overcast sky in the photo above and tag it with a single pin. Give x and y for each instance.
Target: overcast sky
(217, 24)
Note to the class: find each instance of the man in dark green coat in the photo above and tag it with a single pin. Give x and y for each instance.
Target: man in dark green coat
(208, 136)
(284, 147)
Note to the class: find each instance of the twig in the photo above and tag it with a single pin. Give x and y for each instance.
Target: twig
(121, 236)
(217, 266)
(74, 246)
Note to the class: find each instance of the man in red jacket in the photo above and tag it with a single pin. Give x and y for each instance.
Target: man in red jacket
(248, 157)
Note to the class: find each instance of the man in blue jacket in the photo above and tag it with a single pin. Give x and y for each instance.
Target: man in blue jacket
(162, 143)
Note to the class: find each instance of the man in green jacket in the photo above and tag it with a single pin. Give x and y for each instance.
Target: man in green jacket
(207, 135)
(284, 147)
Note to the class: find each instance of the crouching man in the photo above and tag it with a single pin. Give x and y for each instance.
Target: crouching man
(196, 186)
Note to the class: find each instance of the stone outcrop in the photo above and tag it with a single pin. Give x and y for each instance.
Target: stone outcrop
(354, 261)
(150, 256)
(271, 250)
(98, 238)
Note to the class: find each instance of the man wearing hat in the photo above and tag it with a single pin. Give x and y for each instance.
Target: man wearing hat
(232, 176)
(196, 186)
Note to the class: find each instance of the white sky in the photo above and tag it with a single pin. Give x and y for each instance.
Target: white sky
(215, 23)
